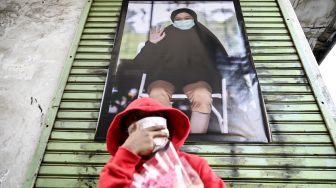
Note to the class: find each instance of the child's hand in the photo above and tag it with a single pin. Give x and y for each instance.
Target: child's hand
(141, 141)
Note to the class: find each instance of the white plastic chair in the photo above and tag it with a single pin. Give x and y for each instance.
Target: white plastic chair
(222, 118)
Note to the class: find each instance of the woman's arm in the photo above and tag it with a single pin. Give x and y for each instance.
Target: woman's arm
(149, 53)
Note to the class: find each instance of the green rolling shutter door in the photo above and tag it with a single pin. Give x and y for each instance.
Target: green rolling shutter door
(301, 154)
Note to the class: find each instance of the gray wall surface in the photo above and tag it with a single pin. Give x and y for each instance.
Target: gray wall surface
(35, 36)
(318, 20)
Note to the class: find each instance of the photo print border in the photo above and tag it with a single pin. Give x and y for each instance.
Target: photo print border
(105, 118)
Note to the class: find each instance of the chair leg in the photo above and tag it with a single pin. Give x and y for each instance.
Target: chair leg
(219, 119)
(142, 85)
(199, 122)
(224, 125)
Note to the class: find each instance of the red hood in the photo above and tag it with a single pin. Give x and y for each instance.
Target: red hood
(177, 121)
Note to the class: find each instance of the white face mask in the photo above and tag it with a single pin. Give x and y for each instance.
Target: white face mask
(160, 142)
(184, 24)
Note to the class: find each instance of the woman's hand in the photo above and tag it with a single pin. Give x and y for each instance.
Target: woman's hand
(141, 141)
(156, 34)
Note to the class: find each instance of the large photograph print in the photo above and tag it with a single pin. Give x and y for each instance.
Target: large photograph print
(191, 55)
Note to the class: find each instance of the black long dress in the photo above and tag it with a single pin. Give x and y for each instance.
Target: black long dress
(183, 57)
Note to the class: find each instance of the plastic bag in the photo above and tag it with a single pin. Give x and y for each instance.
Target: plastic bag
(167, 169)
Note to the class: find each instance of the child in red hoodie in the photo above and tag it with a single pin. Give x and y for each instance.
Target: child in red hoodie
(131, 146)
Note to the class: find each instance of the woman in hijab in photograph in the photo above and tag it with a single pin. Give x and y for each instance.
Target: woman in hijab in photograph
(184, 57)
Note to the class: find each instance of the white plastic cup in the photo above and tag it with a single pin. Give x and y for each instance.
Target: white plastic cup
(151, 121)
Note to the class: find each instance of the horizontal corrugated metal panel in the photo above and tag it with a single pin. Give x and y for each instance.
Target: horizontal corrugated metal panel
(301, 154)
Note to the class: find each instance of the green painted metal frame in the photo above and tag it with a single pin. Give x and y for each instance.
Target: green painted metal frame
(33, 169)
(310, 66)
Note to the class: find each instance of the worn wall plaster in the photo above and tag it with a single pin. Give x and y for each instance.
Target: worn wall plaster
(315, 17)
(35, 36)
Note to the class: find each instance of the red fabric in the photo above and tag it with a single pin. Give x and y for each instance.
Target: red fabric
(119, 170)
(178, 123)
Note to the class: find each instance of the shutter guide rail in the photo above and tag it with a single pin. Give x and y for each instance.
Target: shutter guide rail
(33, 169)
(323, 98)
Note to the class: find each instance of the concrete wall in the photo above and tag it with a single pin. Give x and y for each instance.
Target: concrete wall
(35, 36)
(318, 20)
(315, 17)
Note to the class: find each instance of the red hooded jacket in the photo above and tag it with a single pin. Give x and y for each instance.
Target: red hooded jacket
(119, 170)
